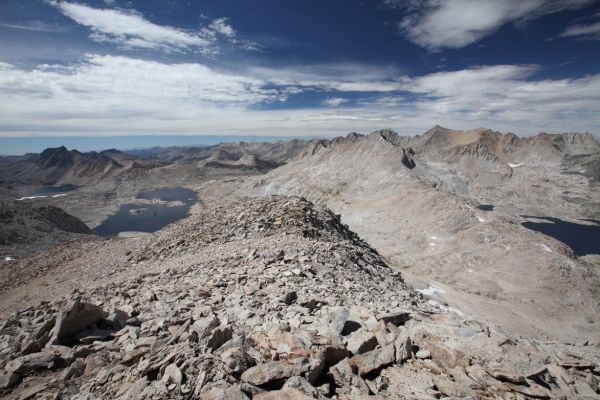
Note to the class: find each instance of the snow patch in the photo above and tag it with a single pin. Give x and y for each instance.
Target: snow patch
(582, 171)
(432, 290)
(433, 237)
(431, 244)
(479, 218)
(515, 165)
(58, 195)
(31, 198)
(446, 308)
(548, 249)
(9, 258)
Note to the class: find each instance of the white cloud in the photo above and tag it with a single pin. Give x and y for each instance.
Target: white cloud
(590, 31)
(221, 26)
(438, 24)
(109, 95)
(334, 101)
(121, 79)
(505, 95)
(129, 29)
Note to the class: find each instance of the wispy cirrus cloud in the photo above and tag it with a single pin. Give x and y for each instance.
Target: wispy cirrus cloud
(37, 26)
(342, 77)
(439, 24)
(130, 30)
(586, 31)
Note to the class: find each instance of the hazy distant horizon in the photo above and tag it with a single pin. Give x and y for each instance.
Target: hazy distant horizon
(17, 146)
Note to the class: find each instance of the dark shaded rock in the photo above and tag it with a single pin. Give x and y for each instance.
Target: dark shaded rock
(396, 318)
(344, 376)
(219, 336)
(74, 317)
(8, 380)
(32, 362)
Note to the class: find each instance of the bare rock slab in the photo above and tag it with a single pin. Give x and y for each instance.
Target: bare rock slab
(374, 359)
(273, 371)
(75, 317)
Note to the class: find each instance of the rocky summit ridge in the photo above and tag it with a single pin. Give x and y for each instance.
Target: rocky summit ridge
(264, 298)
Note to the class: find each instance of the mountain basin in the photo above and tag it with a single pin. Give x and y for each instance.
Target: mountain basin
(149, 212)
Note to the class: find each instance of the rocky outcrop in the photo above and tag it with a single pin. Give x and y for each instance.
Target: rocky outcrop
(26, 228)
(270, 298)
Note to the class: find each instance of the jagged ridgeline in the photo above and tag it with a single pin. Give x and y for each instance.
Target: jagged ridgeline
(264, 298)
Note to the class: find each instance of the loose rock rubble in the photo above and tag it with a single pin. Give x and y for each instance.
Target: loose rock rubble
(271, 298)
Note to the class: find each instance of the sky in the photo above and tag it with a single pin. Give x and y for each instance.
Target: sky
(91, 68)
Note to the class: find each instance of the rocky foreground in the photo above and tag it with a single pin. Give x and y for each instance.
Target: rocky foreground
(270, 298)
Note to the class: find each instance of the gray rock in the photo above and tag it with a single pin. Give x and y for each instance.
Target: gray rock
(236, 360)
(423, 354)
(74, 317)
(374, 359)
(8, 380)
(361, 341)
(273, 371)
(75, 370)
(218, 336)
(383, 334)
(32, 362)
(172, 375)
(204, 326)
(283, 394)
(301, 384)
(344, 377)
(403, 346)
(215, 391)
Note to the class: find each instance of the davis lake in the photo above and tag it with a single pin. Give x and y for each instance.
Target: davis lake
(164, 206)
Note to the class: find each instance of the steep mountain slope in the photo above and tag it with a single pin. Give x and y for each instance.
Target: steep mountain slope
(495, 168)
(62, 165)
(488, 264)
(27, 228)
(269, 298)
(275, 153)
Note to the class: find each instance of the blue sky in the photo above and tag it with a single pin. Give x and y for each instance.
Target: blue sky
(311, 67)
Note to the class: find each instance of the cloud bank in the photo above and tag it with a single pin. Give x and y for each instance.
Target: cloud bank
(117, 95)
